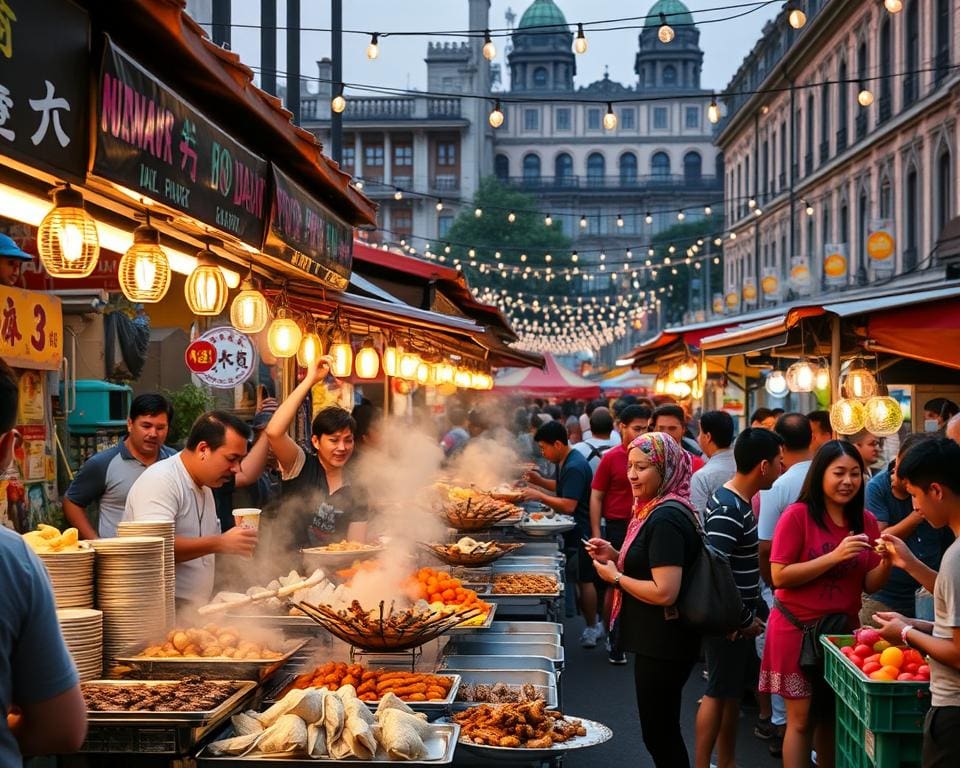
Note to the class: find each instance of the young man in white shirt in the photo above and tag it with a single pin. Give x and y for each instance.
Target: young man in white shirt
(715, 439)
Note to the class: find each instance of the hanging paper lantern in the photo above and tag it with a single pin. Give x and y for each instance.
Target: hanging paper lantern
(462, 378)
(206, 289)
(342, 353)
(884, 416)
(310, 349)
(801, 377)
(822, 380)
(409, 363)
(686, 371)
(367, 363)
(660, 386)
(144, 270)
(424, 371)
(444, 372)
(249, 312)
(776, 384)
(284, 335)
(391, 358)
(859, 382)
(847, 417)
(67, 238)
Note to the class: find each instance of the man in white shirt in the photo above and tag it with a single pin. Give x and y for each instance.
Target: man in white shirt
(600, 440)
(179, 489)
(715, 439)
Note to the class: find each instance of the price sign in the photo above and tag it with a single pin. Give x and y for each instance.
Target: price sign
(230, 354)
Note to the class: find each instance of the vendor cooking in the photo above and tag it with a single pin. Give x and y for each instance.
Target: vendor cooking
(333, 510)
(179, 489)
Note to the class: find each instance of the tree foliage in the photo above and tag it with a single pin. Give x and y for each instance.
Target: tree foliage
(677, 296)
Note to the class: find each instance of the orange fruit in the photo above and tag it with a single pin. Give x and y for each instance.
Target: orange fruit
(881, 676)
(891, 671)
(892, 657)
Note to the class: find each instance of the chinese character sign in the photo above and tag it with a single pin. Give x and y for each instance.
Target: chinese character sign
(31, 329)
(224, 357)
(43, 84)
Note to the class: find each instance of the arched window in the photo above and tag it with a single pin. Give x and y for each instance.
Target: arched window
(563, 169)
(718, 165)
(824, 123)
(843, 106)
(660, 165)
(596, 169)
(944, 207)
(669, 75)
(886, 67)
(531, 167)
(911, 204)
(501, 167)
(886, 198)
(692, 167)
(628, 168)
(911, 62)
(943, 33)
(808, 157)
(540, 77)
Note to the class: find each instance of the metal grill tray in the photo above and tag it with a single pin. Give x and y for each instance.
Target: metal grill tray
(440, 744)
(597, 733)
(511, 647)
(141, 717)
(219, 669)
(526, 627)
(467, 662)
(419, 706)
(544, 681)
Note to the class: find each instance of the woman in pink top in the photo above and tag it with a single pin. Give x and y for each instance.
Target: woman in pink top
(822, 560)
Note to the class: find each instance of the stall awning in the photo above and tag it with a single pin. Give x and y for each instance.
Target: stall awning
(553, 381)
(929, 332)
(756, 335)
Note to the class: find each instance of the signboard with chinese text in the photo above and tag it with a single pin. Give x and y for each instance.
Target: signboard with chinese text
(31, 329)
(200, 356)
(234, 359)
(307, 235)
(44, 60)
(152, 141)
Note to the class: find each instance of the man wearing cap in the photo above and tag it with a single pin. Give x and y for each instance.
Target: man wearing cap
(12, 260)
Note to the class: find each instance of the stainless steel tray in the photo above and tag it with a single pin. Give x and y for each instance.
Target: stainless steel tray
(299, 623)
(420, 706)
(487, 622)
(526, 627)
(460, 663)
(120, 717)
(544, 681)
(440, 744)
(597, 733)
(550, 562)
(219, 669)
(512, 647)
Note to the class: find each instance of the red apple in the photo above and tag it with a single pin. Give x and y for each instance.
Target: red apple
(869, 667)
(923, 672)
(868, 636)
(863, 650)
(856, 661)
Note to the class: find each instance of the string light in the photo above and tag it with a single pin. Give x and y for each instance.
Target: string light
(477, 212)
(338, 104)
(681, 215)
(373, 49)
(489, 49)
(713, 111)
(439, 205)
(665, 34)
(511, 217)
(619, 220)
(398, 194)
(893, 6)
(648, 218)
(864, 95)
(548, 220)
(707, 210)
(796, 18)
(610, 118)
(808, 208)
(580, 43)
(583, 222)
(496, 116)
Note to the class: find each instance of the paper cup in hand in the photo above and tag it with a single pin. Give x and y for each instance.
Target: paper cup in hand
(247, 517)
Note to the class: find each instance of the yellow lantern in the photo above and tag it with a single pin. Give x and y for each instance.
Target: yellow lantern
(342, 353)
(206, 289)
(310, 349)
(144, 270)
(446, 372)
(884, 416)
(248, 310)
(685, 371)
(801, 377)
(391, 358)
(67, 237)
(367, 364)
(859, 382)
(409, 363)
(462, 378)
(679, 389)
(284, 335)
(847, 417)
(660, 386)
(822, 380)
(423, 373)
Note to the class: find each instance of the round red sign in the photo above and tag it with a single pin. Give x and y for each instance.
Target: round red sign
(201, 356)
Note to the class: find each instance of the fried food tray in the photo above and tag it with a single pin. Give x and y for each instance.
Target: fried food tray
(213, 668)
(544, 681)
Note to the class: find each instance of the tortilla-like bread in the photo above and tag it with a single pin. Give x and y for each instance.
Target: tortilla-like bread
(359, 736)
(392, 701)
(235, 745)
(310, 707)
(269, 716)
(288, 734)
(333, 719)
(316, 740)
(245, 723)
(402, 735)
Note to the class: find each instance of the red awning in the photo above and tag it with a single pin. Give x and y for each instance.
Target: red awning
(928, 332)
(553, 381)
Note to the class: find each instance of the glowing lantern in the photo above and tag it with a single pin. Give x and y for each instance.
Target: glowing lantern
(67, 237)
(801, 377)
(206, 289)
(367, 363)
(409, 362)
(144, 270)
(309, 350)
(859, 383)
(847, 417)
(342, 354)
(391, 358)
(884, 416)
(686, 371)
(283, 335)
(462, 378)
(776, 384)
(445, 372)
(424, 371)
(248, 310)
(822, 380)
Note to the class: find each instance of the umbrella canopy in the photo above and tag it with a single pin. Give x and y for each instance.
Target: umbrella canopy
(631, 381)
(553, 381)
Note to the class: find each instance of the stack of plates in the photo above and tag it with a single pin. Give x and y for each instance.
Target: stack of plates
(71, 575)
(130, 592)
(83, 632)
(165, 530)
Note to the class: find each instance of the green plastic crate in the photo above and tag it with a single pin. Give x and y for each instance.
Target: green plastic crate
(859, 747)
(882, 707)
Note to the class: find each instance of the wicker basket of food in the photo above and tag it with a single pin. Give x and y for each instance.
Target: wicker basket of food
(478, 513)
(470, 553)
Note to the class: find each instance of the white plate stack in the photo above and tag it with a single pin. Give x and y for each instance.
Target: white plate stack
(165, 530)
(71, 575)
(129, 592)
(83, 633)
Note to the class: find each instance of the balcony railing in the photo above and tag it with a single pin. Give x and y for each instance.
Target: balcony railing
(383, 108)
(445, 182)
(665, 181)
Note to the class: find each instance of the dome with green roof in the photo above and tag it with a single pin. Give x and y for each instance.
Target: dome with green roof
(675, 11)
(542, 13)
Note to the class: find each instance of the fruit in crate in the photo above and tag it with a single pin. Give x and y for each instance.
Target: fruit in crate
(883, 662)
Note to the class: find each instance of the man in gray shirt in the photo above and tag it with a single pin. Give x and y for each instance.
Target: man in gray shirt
(929, 470)
(715, 439)
(107, 477)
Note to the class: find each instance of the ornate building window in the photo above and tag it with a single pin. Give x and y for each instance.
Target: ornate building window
(596, 169)
(531, 167)
(563, 169)
(944, 176)
(669, 75)
(540, 77)
(501, 167)
(692, 167)
(660, 165)
(628, 169)
(911, 218)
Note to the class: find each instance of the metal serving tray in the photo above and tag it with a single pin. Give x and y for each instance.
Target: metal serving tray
(420, 706)
(597, 733)
(511, 647)
(487, 622)
(141, 717)
(460, 663)
(544, 681)
(537, 561)
(219, 669)
(299, 624)
(526, 627)
(440, 744)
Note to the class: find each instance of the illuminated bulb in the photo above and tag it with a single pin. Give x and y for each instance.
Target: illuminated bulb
(391, 358)
(283, 336)
(409, 362)
(713, 111)
(801, 377)
(809, 210)
(865, 96)
(342, 353)
(665, 34)
(489, 49)
(859, 383)
(609, 119)
(358, 183)
(796, 18)
(398, 195)
(496, 116)
(367, 362)
(424, 373)
(619, 220)
(463, 378)
(893, 6)
(884, 416)
(310, 349)
(511, 217)
(580, 43)
(758, 211)
(751, 203)
(847, 417)
(144, 270)
(548, 220)
(681, 215)
(478, 212)
(206, 290)
(733, 235)
(373, 49)
(249, 311)
(707, 210)
(574, 257)
(583, 222)
(776, 384)
(439, 205)
(338, 104)
(444, 372)
(648, 219)
(67, 237)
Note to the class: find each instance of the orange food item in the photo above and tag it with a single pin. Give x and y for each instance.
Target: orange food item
(373, 684)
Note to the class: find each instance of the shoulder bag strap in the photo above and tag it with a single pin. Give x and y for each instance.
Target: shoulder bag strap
(788, 615)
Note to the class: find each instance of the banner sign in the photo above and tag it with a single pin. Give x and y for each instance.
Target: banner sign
(881, 244)
(31, 329)
(153, 142)
(44, 93)
(749, 291)
(306, 235)
(230, 362)
(718, 303)
(800, 278)
(733, 300)
(835, 264)
(770, 284)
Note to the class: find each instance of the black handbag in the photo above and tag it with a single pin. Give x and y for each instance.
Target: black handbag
(811, 651)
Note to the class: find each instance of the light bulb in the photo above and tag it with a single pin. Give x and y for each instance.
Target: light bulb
(358, 184)
(439, 205)
(648, 219)
(580, 43)
(707, 210)
(801, 377)
(496, 116)
(797, 18)
(583, 222)
(776, 384)
(809, 210)
(847, 417)
(619, 220)
(338, 104)
(865, 97)
(574, 257)
(713, 112)
(681, 215)
(310, 349)
(367, 362)
(609, 119)
(548, 220)
(71, 242)
(489, 49)
(409, 362)
(342, 353)
(511, 217)
(822, 379)
(283, 336)
(373, 49)
(893, 6)
(665, 34)
(398, 195)
(751, 203)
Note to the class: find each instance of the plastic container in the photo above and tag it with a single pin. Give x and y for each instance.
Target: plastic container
(859, 747)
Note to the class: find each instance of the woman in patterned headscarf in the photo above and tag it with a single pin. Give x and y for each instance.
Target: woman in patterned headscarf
(661, 542)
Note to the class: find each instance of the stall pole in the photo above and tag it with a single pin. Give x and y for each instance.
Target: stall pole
(293, 60)
(835, 359)
(268, 46)
(336, 50)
